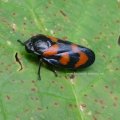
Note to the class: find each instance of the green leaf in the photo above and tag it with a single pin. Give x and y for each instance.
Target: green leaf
(93, 93)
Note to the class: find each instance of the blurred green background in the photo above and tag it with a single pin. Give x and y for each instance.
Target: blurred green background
(94, 93)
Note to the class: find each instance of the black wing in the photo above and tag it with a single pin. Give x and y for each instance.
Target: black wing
(68, 55)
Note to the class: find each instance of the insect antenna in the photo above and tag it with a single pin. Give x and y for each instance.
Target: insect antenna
(21, 42)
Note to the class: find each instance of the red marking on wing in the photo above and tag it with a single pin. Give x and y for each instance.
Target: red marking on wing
(75, 48)
(51, 51)
(64, 58)
(82, 59)
(52, 38)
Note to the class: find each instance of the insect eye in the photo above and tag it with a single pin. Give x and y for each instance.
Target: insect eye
(30, 44)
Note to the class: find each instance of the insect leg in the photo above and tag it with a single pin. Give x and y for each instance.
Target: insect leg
(40, 63)
(50, 67)
(55, 72)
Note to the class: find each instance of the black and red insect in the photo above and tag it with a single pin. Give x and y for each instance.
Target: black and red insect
(59, 53)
